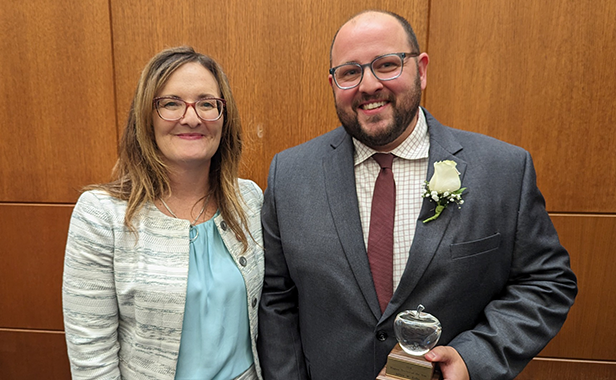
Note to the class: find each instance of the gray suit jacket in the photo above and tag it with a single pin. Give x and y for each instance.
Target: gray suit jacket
(493, 271)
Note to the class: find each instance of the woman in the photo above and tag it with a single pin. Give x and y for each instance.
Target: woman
(164, 265)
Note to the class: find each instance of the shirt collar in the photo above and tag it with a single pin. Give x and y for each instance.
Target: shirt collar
(415, 146)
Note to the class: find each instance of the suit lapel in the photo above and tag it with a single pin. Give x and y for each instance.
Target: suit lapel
(342, 198)
(428, 236)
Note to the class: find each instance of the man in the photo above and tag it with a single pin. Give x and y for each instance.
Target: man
(491, 269)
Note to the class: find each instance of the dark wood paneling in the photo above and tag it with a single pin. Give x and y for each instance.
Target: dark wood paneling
(33, 242)
(57, 111)
(276, 54)
(538, 74)
(30, 355)
(589, 331)
(549, 369)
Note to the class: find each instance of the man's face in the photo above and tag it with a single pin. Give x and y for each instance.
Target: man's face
(380, 114)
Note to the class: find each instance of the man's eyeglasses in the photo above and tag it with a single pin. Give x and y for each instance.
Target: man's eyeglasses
(174, 109)
(385, 67)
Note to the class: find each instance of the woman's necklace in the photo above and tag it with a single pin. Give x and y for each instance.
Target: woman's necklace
(192, 225)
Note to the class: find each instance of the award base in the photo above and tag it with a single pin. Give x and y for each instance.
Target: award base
(401, 365)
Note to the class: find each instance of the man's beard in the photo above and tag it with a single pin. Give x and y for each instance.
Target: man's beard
(404, 111)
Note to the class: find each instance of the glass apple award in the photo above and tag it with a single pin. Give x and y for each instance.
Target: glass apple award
(416, 331)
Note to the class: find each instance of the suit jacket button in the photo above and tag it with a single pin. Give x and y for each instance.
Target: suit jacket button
(254, 302)
(223, 225)
(381, 335)
(243, 261)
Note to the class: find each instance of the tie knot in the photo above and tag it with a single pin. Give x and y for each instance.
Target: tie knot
(384, 159)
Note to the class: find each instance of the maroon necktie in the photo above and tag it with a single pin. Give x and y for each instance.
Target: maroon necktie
(381, 234)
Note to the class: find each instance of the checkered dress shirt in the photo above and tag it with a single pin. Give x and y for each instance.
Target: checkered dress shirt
(410, 168)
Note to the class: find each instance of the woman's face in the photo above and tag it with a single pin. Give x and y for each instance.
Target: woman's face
(188, 142)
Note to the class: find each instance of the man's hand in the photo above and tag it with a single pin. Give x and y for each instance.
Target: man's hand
(451, 363)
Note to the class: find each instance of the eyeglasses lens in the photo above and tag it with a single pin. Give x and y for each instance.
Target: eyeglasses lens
(387, 67)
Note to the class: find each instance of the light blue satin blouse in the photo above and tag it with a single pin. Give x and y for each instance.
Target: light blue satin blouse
(215, 343)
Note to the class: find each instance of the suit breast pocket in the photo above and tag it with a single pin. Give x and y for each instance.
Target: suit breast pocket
(475, 247)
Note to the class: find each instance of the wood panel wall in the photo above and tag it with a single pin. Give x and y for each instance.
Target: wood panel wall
(57, 133)
(58, 108)
(535, 74)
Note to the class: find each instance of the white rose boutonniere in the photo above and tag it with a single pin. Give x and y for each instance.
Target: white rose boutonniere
(444, 187)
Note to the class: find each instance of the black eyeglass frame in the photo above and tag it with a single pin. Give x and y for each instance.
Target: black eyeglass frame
(188, 104)
(362, 67)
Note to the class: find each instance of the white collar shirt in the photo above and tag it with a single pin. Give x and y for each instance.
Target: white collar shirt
(410, 167)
